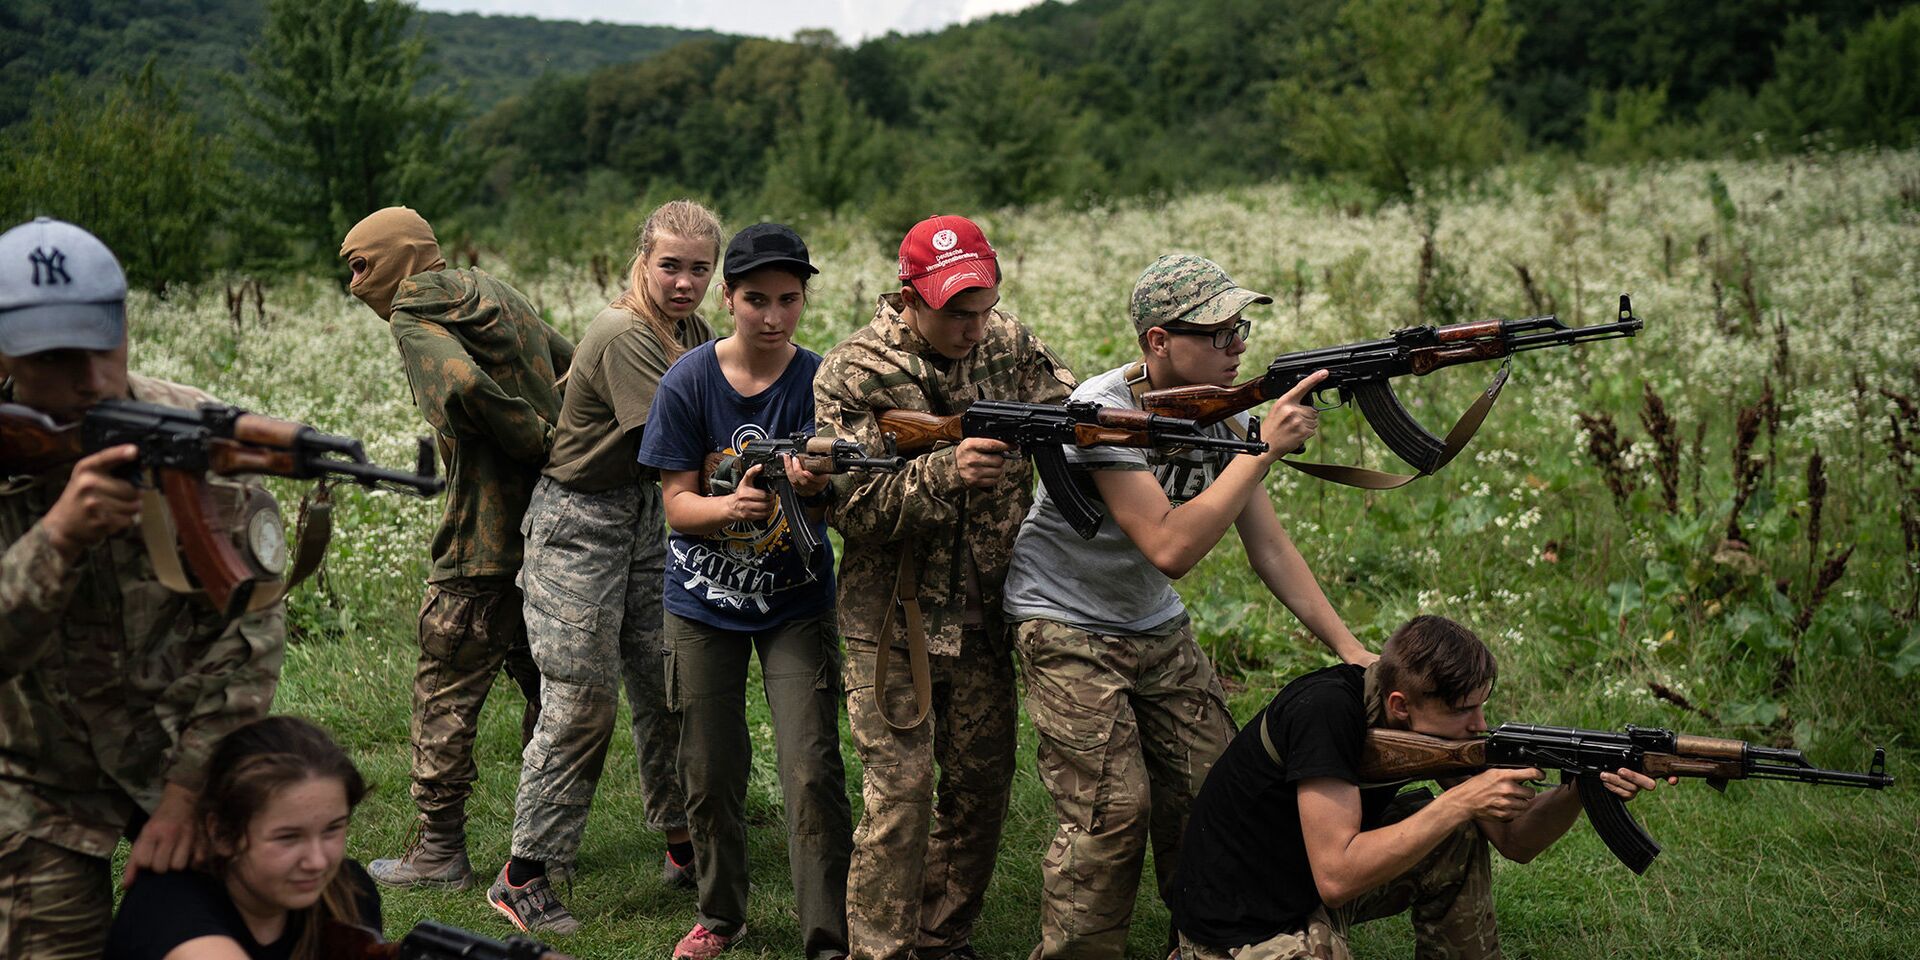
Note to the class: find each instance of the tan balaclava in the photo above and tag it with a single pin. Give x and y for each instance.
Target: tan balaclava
(396, 243)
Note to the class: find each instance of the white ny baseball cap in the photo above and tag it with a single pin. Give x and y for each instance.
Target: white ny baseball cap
(60, 288)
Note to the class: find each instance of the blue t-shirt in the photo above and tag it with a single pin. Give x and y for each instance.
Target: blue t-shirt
(749, 576)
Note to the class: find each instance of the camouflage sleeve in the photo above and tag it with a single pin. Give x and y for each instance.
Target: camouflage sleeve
(35, 582)
(925, 496)
(1045, 377)
(458, 397)
(230, 684)
(560, 349)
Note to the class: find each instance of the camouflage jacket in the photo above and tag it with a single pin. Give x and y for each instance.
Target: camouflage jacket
(111, 685)
(483, 367)
(886, 365)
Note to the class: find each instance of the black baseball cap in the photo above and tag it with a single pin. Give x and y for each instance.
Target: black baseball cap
(766, 245)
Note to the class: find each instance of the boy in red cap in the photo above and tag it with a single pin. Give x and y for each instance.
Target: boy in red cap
(933, 542)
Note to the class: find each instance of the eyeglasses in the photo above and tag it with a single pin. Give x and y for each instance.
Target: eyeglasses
(1223, 337)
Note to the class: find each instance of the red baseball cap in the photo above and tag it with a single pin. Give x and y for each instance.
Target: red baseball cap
(942, 256)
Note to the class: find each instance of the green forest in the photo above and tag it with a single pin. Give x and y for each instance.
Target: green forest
(266, 129)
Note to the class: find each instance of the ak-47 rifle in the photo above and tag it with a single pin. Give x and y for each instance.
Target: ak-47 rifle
(179, 449)
(1042, 429)
(1582, 755)
(816, 455)
(429, 941)
(1363, 372)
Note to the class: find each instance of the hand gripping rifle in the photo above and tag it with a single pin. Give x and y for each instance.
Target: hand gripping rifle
(1582, 755)
(179, 449)
(1042, 429)
(429, 941)
(1363, 372)
(816, 455)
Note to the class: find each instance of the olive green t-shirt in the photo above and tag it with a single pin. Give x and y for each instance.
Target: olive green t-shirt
(616, 368)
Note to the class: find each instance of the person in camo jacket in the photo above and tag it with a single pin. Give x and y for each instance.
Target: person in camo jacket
(596, 549)
(113, 688)
(935, 790)
(482, 366)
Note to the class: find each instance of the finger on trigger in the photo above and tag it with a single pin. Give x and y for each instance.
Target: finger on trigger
(1300, 389)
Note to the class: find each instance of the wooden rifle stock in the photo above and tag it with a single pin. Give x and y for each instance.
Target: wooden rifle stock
(1206, 404)
(1390, 756)
(30, 442)
(915, 431)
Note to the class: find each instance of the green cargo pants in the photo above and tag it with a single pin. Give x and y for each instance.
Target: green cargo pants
(707, 687)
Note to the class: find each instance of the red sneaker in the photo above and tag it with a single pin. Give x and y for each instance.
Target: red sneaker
(703, 944)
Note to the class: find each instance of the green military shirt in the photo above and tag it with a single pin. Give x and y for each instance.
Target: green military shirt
(926, 507)
(616, 369)
(111, 685)
(483, 366)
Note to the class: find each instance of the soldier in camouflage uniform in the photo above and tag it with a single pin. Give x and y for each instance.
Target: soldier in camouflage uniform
(596, 553)
(113, 690)
(1129, 712)
(483, 367)
(1287, 849)
(926, 844)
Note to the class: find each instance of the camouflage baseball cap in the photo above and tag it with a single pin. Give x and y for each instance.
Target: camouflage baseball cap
(1191, 291)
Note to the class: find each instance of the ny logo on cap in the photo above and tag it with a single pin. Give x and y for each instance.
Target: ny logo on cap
(54, 265)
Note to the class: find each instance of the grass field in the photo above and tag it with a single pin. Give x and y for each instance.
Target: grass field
(1608, 599)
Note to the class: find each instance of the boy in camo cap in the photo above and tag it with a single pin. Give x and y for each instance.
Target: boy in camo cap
(1129, 711)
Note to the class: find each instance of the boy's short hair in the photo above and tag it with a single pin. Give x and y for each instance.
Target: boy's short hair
(1435, 657)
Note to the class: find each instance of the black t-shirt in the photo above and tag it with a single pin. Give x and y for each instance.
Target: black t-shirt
(164, 910)
(1243, 875)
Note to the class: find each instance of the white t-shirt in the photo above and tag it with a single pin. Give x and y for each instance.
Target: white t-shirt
(1105, 585)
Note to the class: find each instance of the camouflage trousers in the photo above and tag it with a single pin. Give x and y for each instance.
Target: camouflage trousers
(592, 576)
(470, 628)
(1129, 726)
(927, 841)
(55, 903)
(1449, 893)
(707, 686)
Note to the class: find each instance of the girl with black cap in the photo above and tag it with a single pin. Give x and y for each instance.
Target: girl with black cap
(737, 582)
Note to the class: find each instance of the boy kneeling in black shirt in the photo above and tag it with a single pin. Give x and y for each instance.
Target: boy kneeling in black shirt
(1286, 849)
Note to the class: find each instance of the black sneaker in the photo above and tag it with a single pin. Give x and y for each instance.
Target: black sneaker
(675, 875)
(534, 907)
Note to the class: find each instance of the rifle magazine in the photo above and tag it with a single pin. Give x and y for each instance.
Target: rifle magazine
(1622, 834)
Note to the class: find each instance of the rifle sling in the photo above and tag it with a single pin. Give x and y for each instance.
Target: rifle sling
(163, 546)
(906, 599)
(316, 530)
(1266, 740)
(1457, 440)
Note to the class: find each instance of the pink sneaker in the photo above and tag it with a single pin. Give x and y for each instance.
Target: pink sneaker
(703, 944)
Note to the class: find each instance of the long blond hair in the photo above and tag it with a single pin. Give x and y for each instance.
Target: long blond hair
(686, 219)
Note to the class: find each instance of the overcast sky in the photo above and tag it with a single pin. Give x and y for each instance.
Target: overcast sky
(853, 20)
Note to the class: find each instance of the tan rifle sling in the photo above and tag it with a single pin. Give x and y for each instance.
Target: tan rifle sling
(163, 545)
(906, 599)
